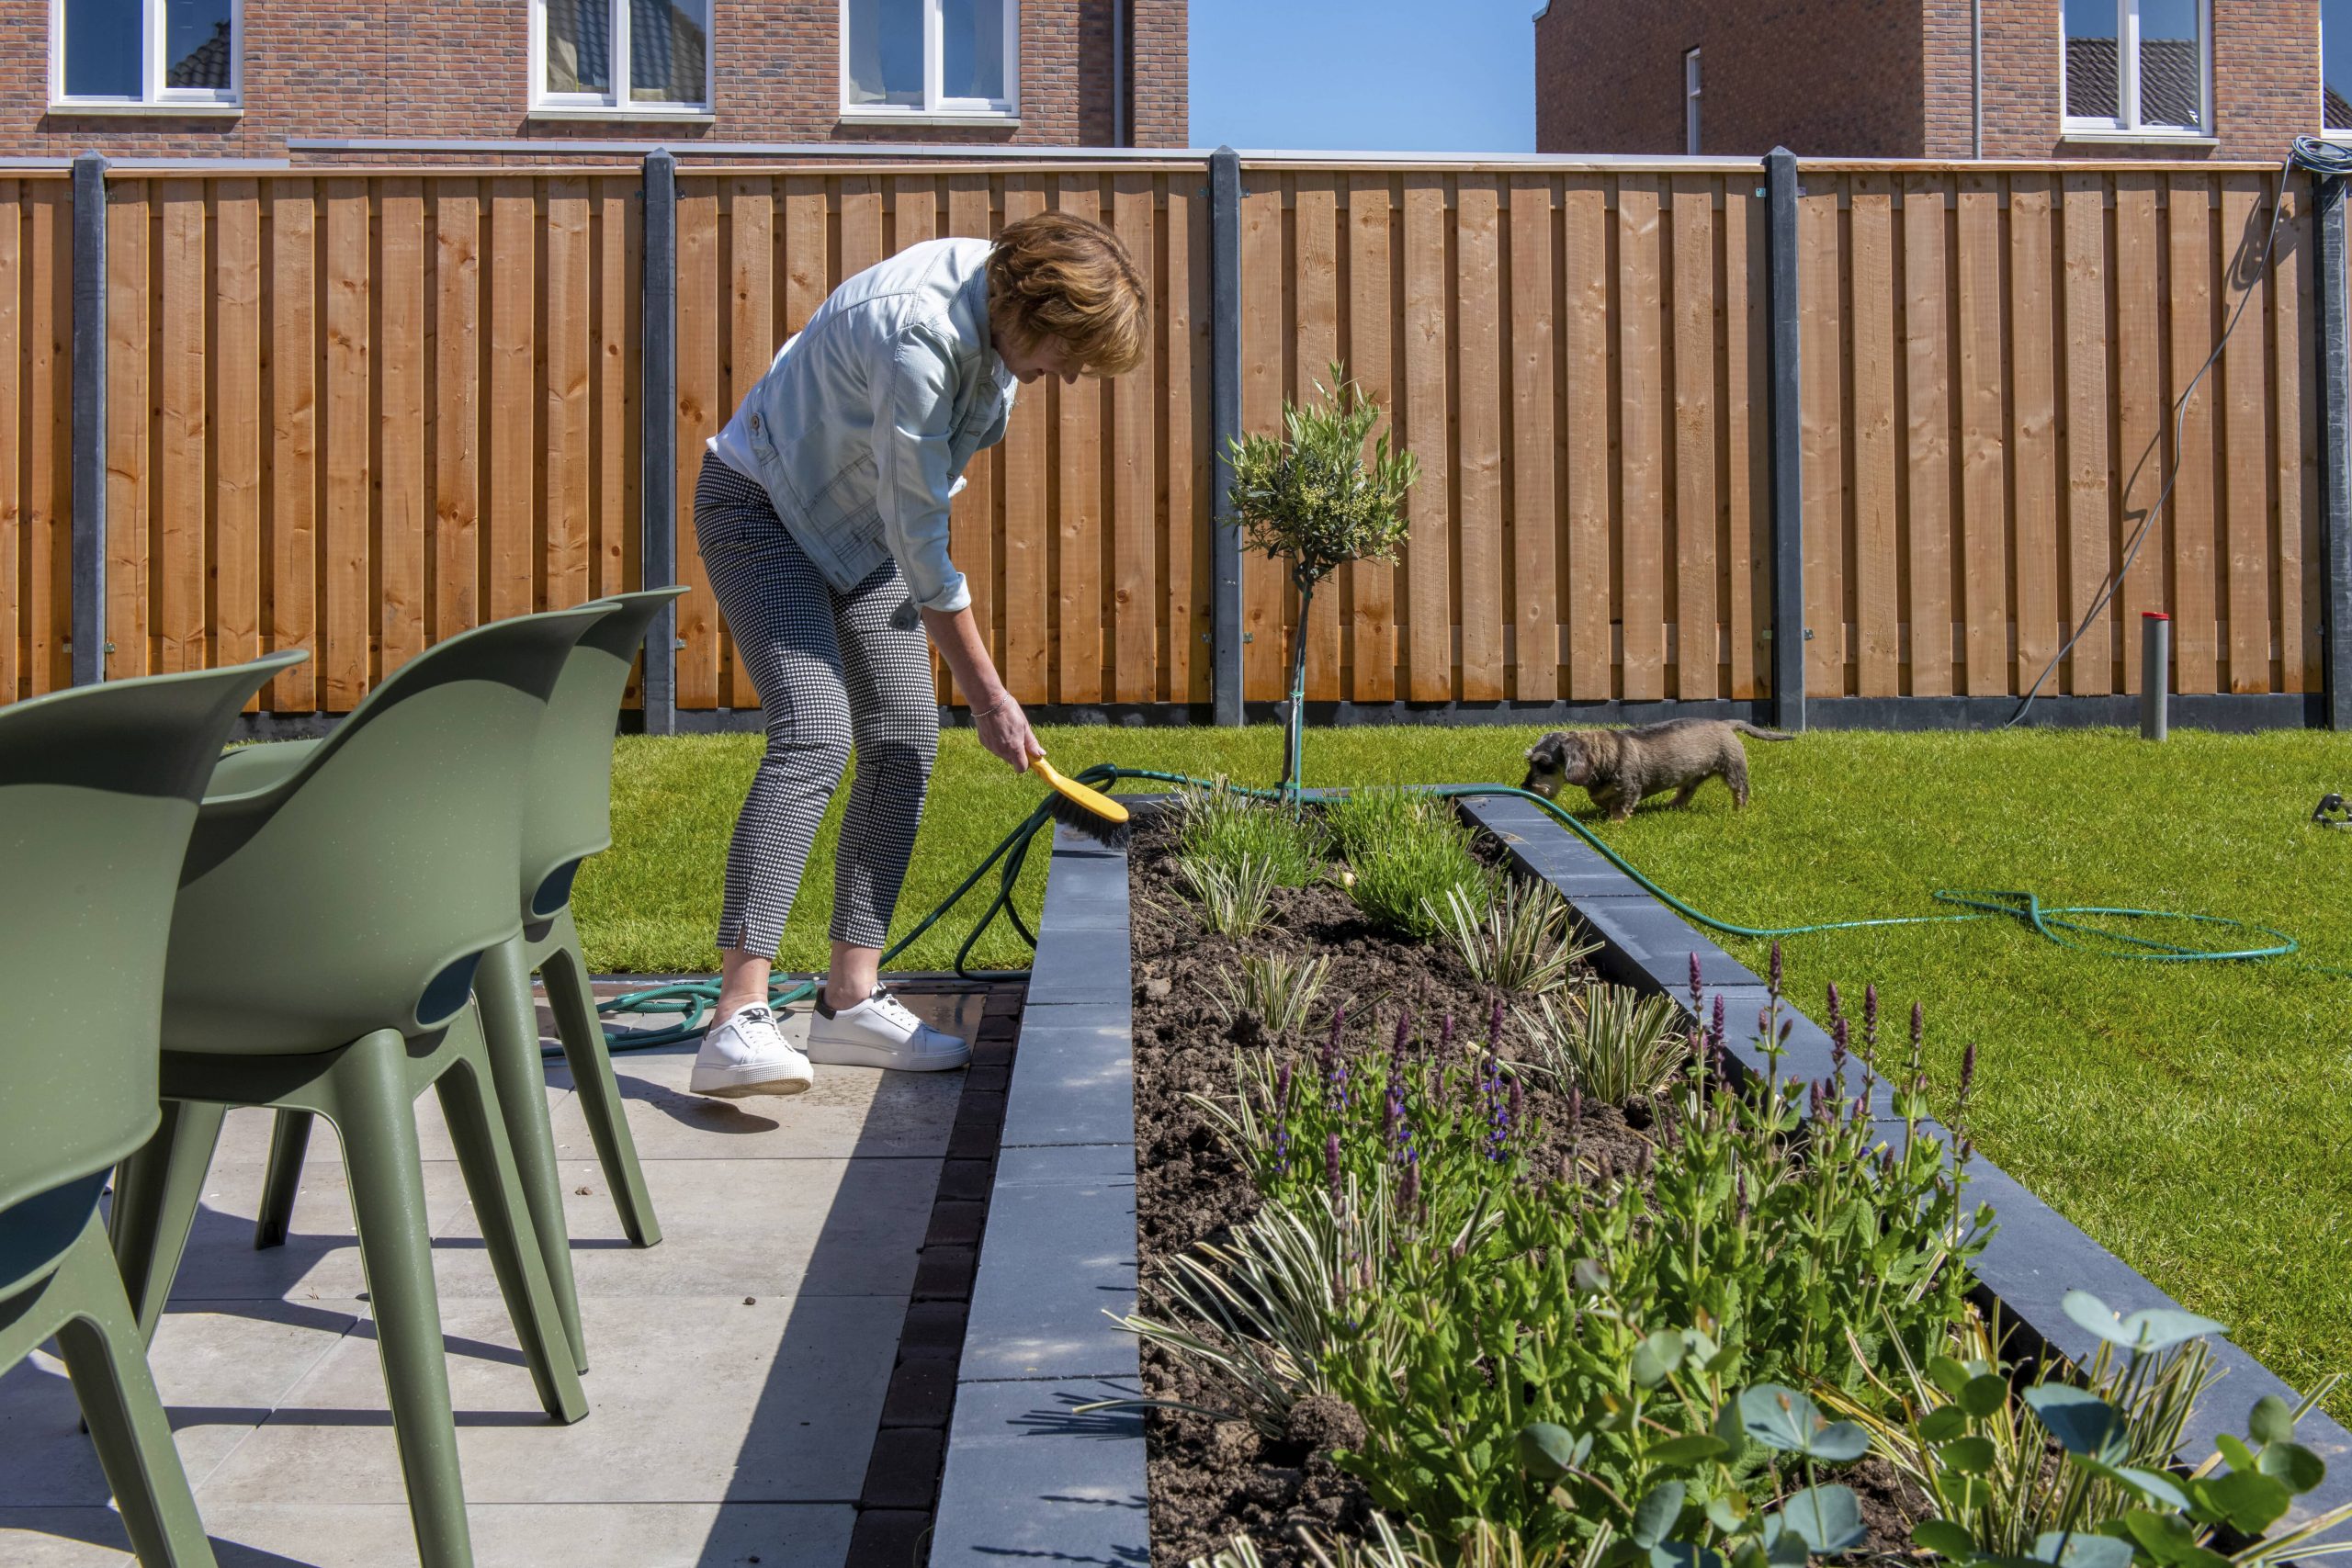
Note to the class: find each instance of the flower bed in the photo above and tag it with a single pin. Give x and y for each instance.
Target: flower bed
(1423, 1270)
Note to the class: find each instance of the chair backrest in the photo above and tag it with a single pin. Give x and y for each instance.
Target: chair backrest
(99, 788)
(356, 893)
(570, 811)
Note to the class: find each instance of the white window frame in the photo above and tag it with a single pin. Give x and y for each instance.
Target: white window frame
(936, 107)
(1690, 102)
(2126, 124)
(2326, 132)
(618, 104)
(154, 97)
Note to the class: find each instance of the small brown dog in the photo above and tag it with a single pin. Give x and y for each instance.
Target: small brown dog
(1619, 767)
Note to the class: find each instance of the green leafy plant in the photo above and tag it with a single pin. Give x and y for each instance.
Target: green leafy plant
(1363, 819)
(1521, 942)
(1275, 988)
(1236, 900)
(1318, 498)
(1223, 826)
(1406, 852)
(1615, 1045)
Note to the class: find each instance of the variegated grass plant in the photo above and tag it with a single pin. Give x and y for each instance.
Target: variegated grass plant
(1613, 1044)
(1518, 941)
(1235, 899)
(1274, 988)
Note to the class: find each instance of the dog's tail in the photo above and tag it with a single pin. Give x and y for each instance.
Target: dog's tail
(1758, 732)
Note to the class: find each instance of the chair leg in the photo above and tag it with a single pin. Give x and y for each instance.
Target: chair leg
(289, 1140)
(510, 1029)
(155, 1195)
(483, 1155)
(107, 1359)
(373, 1111)
(565, 970)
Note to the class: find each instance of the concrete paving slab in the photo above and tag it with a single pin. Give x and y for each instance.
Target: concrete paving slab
(847, 1112)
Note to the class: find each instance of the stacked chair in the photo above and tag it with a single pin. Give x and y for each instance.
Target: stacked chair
(98, 793)
(566, 817)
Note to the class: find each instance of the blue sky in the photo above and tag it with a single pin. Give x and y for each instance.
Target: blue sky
(1370, 75)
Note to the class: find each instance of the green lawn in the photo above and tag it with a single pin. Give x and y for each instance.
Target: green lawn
(2194, 1118)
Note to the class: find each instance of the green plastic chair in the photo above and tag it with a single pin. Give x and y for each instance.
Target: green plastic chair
(567, 817)
(322, 954)
(98, 790)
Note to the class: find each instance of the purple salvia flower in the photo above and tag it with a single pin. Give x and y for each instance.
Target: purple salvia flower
(1576, 1108)
(1870, 1019)
(1967, 1070)
(1776, 975)
(1837, 1002)
(1282, 1085)
(1331, 1165)
(1409, 1191)
(1495, 1025)
(1698, 988)
(1404, 1032)
(1838, 1040)
(1446, 1034)
(1918, 1027)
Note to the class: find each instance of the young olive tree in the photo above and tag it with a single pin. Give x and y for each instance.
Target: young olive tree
(1311, 499)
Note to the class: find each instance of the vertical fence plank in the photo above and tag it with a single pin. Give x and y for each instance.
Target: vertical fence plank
(1696, 519)
(1641, 373)
(1746, 391)
(1479, 380)
(512, 458)
(293, 441)
(1026, 550)
(1877, 589)
(2090, 518)
(1134, 602)
(236, 424)
(129, 621)
(1371, 585)
(1427, 552)
(181, 476)
(2291, 348)
(1821, 287)
(47, 573)
(972, 516)
(349, 470)
(568, 459)
(614, 361)
(1591, 520)
(401, 521)
(1265, 669)
(1534, 609)
(751, 341)
(457, 423)
(1183, 413)
(2034, 393)
(700, 313)
(2245, 396)
(12, 451)
(1927, 378)
(2188, 233)
(1983, 473)
(2140, 405)
(1316, 336)
(1079, 504)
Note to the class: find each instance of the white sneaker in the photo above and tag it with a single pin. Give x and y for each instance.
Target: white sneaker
(748, 1055)
(880, 1033)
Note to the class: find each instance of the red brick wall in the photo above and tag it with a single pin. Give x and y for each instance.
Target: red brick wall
(459, 68)
(2265, 82)
(1609, 76)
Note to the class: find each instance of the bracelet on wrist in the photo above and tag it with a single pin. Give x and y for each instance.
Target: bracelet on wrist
(978, 713)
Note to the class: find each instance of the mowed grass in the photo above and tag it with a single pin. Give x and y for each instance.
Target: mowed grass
(2194, 1118)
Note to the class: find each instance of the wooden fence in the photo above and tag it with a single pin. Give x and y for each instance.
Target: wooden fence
(354, 412)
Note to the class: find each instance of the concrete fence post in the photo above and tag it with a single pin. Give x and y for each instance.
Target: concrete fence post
(1787, 451)
(1224, 425)
(658, 437)
(88, 472)
(2335, 452)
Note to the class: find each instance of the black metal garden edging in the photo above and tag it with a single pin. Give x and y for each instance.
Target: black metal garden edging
(1026, 1475)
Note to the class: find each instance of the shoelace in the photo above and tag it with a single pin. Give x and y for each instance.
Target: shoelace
(894, 1009)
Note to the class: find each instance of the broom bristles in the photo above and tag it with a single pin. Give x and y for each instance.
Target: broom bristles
(1103, 832)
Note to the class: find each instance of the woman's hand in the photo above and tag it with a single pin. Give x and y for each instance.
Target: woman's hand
(1004, 730)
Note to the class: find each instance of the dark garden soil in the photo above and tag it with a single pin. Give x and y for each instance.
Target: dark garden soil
(1211, 1480)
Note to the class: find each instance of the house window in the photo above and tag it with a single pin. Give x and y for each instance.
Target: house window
(2335, 66)
(1690, 102)
(2138, 65)
(145, 53)
(622, 56)
(930, 57)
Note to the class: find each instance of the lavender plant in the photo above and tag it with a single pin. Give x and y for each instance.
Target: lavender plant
(1224, 827)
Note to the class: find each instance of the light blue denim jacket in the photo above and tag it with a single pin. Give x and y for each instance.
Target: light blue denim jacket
(861, 428)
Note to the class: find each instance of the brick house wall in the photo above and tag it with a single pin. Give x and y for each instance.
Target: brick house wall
(1609, 76)
(1870, 79)
(460, 68)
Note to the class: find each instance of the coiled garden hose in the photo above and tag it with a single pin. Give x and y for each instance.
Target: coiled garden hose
(2067, 926)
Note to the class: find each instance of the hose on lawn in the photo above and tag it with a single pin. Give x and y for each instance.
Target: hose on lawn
(2067, 926)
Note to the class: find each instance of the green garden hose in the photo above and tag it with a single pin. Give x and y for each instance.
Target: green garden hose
(2064, 925)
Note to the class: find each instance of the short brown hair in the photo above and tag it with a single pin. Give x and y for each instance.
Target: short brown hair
(1060, 277)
